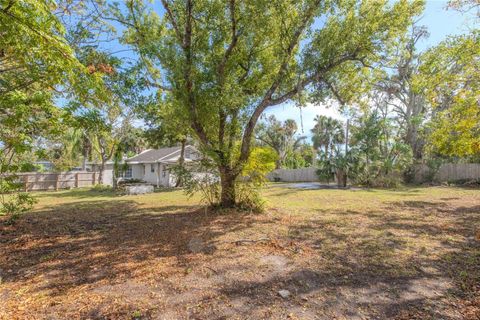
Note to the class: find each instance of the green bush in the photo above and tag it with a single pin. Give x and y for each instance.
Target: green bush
(203, 178)
(248, 197)
(13, 202)
(127, 181)
(433, 167)
(101, 188)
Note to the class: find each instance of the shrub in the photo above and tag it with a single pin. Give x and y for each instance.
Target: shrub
(248, 197)
(324, 173)
(433, 167)
(127, 181)
(13, 202)
(260, 163)
(101, 188)
(390, 181)
(202, 178)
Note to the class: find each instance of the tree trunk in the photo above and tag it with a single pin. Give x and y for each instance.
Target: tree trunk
(114, 181)
(100, 174)
(338, 175)
(278, 163)
(181, 162)
(85, 155)
(115, 174)
(228, 195)
(413, 140)
(415, 108)
(84, 163)
(341, 178)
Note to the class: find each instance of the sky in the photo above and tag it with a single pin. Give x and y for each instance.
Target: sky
(440, 23)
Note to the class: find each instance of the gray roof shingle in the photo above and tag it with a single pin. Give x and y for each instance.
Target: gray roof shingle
(153, 155)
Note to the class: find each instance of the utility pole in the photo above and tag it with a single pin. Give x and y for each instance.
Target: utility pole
(346, 137)
(346, 148)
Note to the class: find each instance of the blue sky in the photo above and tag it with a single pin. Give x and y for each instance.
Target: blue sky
(440, 23)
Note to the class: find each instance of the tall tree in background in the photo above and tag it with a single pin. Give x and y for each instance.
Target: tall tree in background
(465, 6)
(400, 93)
(327, 133)
(66, 148)
(107, 120)
(222, 63)
(379, 153)
(451, 79)
(280, 136)
(452, 82)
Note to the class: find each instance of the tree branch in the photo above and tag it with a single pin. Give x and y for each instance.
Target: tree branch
(9, 5)
(245, 148)
(157, 85)
(334, 91)
(187, 49)
(317, 76)
(233, 42)
(172, 20)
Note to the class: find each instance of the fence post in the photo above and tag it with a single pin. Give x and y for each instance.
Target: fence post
(56, 182)
(76, 180)
(25, 181)
(94, 177)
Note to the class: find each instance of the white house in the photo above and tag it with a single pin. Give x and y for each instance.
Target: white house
(152, 165)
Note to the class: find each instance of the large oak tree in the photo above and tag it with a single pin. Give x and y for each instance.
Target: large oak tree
(222, 63)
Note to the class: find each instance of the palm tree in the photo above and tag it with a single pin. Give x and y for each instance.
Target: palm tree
(78, 144)
(327, 133)
(280, 136)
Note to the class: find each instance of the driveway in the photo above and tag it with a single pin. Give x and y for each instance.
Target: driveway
(309, 185)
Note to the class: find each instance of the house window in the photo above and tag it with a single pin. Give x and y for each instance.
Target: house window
(164, 171)
(187, 153)
(152, 168)
(128, 172)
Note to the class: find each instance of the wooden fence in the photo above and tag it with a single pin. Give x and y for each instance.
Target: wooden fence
(448, 172)
(294, 175)
(33, 181)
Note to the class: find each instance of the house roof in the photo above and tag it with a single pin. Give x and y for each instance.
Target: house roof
(154, 155)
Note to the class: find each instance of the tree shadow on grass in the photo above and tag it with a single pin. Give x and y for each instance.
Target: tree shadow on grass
(358, 264)
(380, 274)
(331, 294)
(78, 193)
(435, 218)
(82, 243)
(90, 193)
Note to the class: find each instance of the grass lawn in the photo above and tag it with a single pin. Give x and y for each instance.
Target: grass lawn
(342, 254)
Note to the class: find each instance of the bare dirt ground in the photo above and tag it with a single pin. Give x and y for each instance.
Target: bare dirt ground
(332, 254)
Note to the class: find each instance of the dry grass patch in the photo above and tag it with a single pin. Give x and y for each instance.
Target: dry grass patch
(345, 254)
